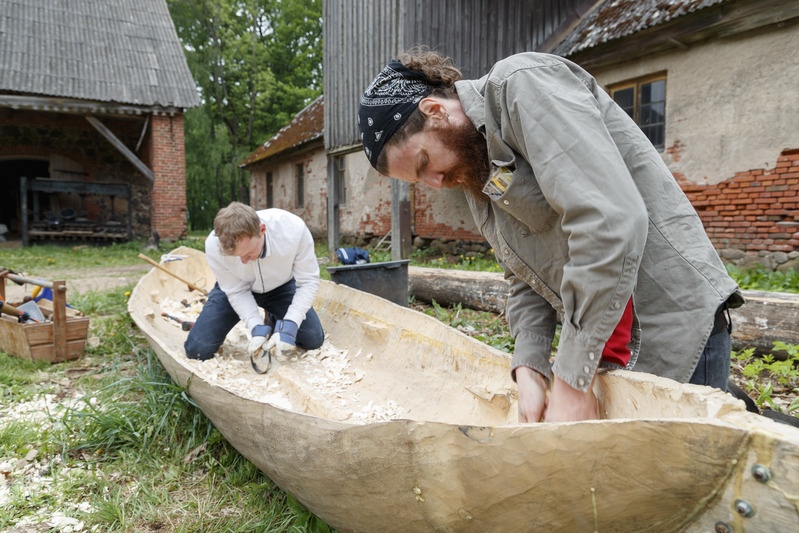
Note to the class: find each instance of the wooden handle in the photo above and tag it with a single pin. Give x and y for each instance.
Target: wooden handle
(22, 279)
(9, 309)
(189, 284)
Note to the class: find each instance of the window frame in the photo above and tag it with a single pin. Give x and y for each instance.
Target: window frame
(636, 84)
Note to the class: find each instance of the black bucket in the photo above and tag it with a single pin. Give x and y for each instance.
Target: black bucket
(388, 280)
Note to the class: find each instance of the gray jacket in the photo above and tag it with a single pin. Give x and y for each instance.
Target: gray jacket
(590, 217)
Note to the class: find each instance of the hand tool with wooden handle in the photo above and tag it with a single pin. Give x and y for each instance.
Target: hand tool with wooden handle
(189, 284)
(185, 325)
(13, 311)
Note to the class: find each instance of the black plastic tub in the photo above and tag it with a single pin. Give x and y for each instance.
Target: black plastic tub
(388, 279)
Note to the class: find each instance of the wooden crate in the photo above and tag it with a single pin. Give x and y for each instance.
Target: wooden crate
(61, 339)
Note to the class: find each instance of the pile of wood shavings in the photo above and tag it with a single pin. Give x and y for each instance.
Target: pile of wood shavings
(325, 373)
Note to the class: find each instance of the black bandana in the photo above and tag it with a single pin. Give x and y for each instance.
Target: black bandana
(386, 105)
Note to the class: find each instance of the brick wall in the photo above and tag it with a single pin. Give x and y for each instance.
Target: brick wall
(757, 211)
(167, 160)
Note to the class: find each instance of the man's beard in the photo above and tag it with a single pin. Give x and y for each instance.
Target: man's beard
(471, 152)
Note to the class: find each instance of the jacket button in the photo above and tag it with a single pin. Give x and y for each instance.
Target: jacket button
(581, 382)
(505, 202)
(591, 356)
(587, 369)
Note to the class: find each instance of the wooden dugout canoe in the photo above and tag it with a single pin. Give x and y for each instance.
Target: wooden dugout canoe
(666, 456)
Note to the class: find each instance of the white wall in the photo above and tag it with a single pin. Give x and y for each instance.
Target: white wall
(731, 104)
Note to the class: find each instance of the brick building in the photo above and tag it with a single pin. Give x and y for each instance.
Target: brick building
(723, 72)
(92, 95)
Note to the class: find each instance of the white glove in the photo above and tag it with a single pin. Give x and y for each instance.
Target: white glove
(284, 338)
(259, 335)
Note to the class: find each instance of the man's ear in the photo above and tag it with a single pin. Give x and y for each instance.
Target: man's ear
(432, 107)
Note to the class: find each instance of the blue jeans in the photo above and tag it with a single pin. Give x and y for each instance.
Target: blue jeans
(713, 368)
(218, 317)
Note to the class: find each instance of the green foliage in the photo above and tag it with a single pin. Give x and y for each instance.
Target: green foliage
(39, 259)
(486, 327)
(125, 449)
(762, 372)
(762, 279)
(256, 63)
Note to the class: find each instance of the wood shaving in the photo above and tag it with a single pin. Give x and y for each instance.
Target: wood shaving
(322, 382)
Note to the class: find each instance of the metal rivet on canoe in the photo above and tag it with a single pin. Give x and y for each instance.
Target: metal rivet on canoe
(761, 473)
(721, 527)
(744, 508)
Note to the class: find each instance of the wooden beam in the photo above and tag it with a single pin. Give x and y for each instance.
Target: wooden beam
(120, 146)
(765, 318)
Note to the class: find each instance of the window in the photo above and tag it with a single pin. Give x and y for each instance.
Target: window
(300, 185)
(270, 197)
(340, 183)
(645, 102)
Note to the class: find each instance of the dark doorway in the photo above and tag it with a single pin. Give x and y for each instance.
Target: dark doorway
(10, 172)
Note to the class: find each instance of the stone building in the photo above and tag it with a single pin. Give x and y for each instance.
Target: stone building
(711, 82)
(92, 95)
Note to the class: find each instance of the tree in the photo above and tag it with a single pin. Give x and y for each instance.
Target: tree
(256, 64)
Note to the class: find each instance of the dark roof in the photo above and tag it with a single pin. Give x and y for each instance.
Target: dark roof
(308, 125)
(123, 51)
(613, 19)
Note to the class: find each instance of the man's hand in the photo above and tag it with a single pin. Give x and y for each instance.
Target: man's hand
(284, 338)
(567, 404)
(259, 335)
(532, 394)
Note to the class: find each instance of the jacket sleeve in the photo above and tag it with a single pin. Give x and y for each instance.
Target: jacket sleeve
(553, 119)
(306, 275)
(532, 322)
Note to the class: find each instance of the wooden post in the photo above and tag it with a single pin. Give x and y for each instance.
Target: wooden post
(60, 320)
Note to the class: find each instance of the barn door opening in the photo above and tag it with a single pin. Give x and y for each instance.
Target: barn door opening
(10, 201)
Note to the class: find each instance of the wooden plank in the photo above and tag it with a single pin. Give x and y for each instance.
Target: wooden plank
(120, 146)
(74, 349)
(13, 339)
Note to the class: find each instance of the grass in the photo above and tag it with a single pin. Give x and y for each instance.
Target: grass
(43, 258)
(110, 443)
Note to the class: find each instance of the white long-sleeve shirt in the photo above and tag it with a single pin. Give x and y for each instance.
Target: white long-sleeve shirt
(289, 254)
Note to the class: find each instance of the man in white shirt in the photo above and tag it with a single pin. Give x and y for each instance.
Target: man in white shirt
(260, 259)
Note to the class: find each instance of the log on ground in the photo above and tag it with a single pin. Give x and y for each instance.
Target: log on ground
(765, 318)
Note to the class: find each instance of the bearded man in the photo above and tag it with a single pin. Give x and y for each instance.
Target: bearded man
(588, 223)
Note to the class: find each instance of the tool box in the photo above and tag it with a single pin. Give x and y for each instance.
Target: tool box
(61, 336)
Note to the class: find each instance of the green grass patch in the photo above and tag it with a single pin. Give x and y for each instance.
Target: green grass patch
(113, 444)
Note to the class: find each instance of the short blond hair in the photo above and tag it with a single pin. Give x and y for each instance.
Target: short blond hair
(235, 222)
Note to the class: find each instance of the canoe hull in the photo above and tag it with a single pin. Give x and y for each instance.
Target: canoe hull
(670, 457)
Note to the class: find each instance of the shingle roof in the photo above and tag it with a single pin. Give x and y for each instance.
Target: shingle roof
(123, 51)
(308, 125)
(613, 19)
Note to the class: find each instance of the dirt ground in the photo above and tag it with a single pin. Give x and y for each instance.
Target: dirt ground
(83, 280)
